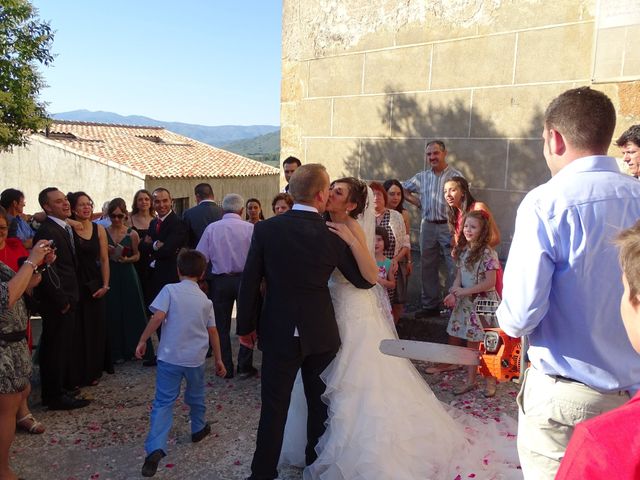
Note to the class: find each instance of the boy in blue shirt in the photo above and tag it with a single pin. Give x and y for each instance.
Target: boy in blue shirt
(188, 328)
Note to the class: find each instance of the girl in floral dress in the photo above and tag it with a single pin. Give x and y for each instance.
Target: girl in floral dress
(476, 277)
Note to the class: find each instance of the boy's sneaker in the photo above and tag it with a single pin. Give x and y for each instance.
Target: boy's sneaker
(151, 463)
(196, 437)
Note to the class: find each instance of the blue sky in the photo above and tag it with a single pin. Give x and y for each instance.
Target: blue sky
(210, 62)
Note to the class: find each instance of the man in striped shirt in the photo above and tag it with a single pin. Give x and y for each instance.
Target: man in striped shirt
(435, 238)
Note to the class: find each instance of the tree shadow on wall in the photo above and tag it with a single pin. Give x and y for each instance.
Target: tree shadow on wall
(488, 158)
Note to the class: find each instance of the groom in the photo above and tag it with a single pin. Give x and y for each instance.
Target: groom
(295, 252)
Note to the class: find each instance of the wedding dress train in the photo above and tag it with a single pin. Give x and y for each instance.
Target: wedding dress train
(384, 421)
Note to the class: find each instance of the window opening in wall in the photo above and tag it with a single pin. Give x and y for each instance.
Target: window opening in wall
(615, 53)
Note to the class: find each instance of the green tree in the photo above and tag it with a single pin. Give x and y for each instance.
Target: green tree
(24, 43)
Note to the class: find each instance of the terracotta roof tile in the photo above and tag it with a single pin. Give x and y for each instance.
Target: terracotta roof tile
(155, 151)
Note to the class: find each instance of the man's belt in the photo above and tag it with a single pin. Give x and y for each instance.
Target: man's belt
(437, 222)
(230, 274)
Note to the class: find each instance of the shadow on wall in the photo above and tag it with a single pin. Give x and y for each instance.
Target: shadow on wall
(500, 167)
(488, 158)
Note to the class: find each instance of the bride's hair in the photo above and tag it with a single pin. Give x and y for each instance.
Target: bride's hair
(357, 194)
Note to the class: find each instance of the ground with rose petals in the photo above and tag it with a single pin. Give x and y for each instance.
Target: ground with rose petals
(105, 440)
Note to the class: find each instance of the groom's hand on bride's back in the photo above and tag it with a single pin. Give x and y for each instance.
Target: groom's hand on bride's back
(249, 340)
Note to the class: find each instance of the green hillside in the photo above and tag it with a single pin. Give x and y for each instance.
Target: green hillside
(265, 148)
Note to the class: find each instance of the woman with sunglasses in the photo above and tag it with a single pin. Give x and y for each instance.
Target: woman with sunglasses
(126, 314)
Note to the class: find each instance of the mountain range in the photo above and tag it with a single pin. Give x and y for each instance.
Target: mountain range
(217, 136)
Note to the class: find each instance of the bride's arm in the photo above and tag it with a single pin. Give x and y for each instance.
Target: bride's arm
(353, 235)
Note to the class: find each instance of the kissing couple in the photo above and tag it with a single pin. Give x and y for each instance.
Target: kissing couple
(367, 416)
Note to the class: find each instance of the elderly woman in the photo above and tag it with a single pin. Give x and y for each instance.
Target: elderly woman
(15, 360)
(281, 203)
(398, 249)
(12, 252)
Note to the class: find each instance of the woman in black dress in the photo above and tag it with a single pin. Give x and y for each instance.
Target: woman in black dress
(91, 350)
(141, 215)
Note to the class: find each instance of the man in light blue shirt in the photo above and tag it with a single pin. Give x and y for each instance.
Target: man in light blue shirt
(435, 237)
(562, 282)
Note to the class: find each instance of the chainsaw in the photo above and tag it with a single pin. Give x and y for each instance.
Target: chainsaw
(498, 355)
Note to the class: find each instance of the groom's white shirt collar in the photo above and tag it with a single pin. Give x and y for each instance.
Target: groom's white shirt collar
(304, 208)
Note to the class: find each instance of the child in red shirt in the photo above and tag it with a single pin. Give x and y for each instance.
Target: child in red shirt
(608, 446)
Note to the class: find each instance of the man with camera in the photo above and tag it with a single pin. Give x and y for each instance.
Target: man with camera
(57, 295)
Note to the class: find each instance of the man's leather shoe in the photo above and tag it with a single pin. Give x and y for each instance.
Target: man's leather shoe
(150, 466)
(196, 437)
(248, 373)
(65, 402)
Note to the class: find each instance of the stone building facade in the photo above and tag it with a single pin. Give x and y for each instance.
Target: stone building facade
(365, 84)
(109, 161)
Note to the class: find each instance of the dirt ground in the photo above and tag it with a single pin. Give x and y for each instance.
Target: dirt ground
(105, 440)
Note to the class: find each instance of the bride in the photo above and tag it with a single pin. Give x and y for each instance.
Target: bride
(384, 420)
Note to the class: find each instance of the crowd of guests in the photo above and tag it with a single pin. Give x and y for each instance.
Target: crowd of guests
(104, 283)
(96, 294)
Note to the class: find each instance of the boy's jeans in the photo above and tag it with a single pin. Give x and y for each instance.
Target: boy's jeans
(168, 380)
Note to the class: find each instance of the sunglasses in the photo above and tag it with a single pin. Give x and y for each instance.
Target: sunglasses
(117, 215)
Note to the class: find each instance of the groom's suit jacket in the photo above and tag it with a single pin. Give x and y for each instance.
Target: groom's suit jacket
(295, 252)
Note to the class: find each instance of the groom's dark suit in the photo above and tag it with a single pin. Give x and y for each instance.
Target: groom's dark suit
(295, 253)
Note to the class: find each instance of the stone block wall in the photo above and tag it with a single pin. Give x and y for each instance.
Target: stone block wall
(366, 83)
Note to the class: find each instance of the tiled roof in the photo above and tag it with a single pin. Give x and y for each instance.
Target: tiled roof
(154, 151)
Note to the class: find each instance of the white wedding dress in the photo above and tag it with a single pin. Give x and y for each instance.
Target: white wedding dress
(384, 421)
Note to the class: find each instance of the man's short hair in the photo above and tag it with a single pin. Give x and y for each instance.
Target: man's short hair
(632, 134)
(160, 189)
(10, 195)
(585, 117)
(191, 263)
(440, 143)
(203, 190)
(306, 181)
(291, 159)
(629, 242)
(232, 203)
(43, 196)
